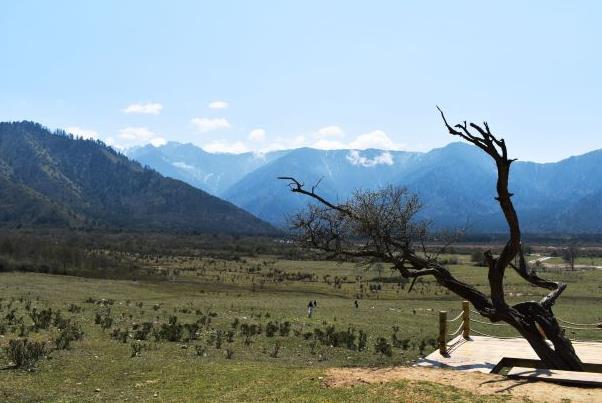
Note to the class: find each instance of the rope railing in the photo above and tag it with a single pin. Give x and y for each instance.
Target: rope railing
(585, 340)
(458, 330)
(596, 325)
(465, 328)
(488, 323)
(489, 335)
(582, 328)
(456, 318)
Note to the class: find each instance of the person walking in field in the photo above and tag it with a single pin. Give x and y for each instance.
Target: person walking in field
(356, 304)
(310, 309)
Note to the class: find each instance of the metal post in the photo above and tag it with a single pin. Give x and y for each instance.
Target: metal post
(465, 320)
(443, 332)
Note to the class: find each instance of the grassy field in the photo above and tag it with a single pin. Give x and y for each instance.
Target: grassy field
(241, 331)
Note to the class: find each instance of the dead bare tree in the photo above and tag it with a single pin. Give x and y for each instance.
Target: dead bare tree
(381, 226)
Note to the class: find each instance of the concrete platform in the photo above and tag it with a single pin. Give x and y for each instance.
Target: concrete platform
(482, 354)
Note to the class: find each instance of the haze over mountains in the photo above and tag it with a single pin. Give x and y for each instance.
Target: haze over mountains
(54, 180)
(456, 183)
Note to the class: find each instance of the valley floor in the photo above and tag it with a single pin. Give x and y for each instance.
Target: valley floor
(241, 333)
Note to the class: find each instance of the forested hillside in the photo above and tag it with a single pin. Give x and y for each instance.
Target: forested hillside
(54, 180)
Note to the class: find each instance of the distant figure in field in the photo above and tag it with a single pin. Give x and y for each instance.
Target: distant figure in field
(310, 309)
(356, 304)
(315, 303)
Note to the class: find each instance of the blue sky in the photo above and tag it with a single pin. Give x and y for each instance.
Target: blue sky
(258, 75)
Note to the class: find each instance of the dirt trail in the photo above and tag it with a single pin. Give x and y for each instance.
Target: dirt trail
(475, 382)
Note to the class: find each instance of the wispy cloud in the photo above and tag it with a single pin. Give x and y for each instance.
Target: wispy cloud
(209, 124)
(257, 135)
(330, 131)
(149, 108)
(135, 136)
(237, 147)
(355, 158)
(218, 105)
(375, 139)
(256, 142)
(84, 133)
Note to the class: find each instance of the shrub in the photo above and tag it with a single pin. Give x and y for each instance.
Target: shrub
(69, 333)
(270, 329)
(331, 337)
(171, 331)
(201, 351)
(285, 329)
(136, 347)
(192, 329)
(383, 347)
(24, 353)
(74, 308)
(363, 341)
(59, 321)
(478, 258)
(141, 332)
(422, 346)
(275, 350)
(23, 330)
(104, 320)
(41, 319)
(219, 336)
(120, 335)
(11, 317)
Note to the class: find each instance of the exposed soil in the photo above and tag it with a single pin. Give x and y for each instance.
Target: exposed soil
(475, 382)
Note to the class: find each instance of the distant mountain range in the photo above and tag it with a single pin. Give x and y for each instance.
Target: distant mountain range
(54, 180)
(456, 183)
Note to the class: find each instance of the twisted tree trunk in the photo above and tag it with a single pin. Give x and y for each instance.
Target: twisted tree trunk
(535, 321)
(384, 220)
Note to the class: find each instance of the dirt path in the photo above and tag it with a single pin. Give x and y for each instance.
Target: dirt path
(475, 382)
(541, 259)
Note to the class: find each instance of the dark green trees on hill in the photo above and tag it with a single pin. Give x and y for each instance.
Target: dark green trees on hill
(55, 180)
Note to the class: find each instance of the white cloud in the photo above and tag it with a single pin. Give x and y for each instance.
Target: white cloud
(257, 135)
(87, 134)
(208, 124)
(324, 144)
(375, 139)
(135, 136)
(330, 131)
(218, 105)
(355, 158)
(149, 108)
(237, 147)
(281, 143)
(158, 141)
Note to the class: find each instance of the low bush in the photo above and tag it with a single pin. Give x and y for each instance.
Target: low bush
(71, 332)
(24, 353)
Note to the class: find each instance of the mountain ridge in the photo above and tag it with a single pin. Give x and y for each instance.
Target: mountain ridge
(52, 179)
(456, 183)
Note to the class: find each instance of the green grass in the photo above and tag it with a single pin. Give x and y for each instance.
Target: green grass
(249, 291)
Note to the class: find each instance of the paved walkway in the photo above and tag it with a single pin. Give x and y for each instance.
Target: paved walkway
(482, 354)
